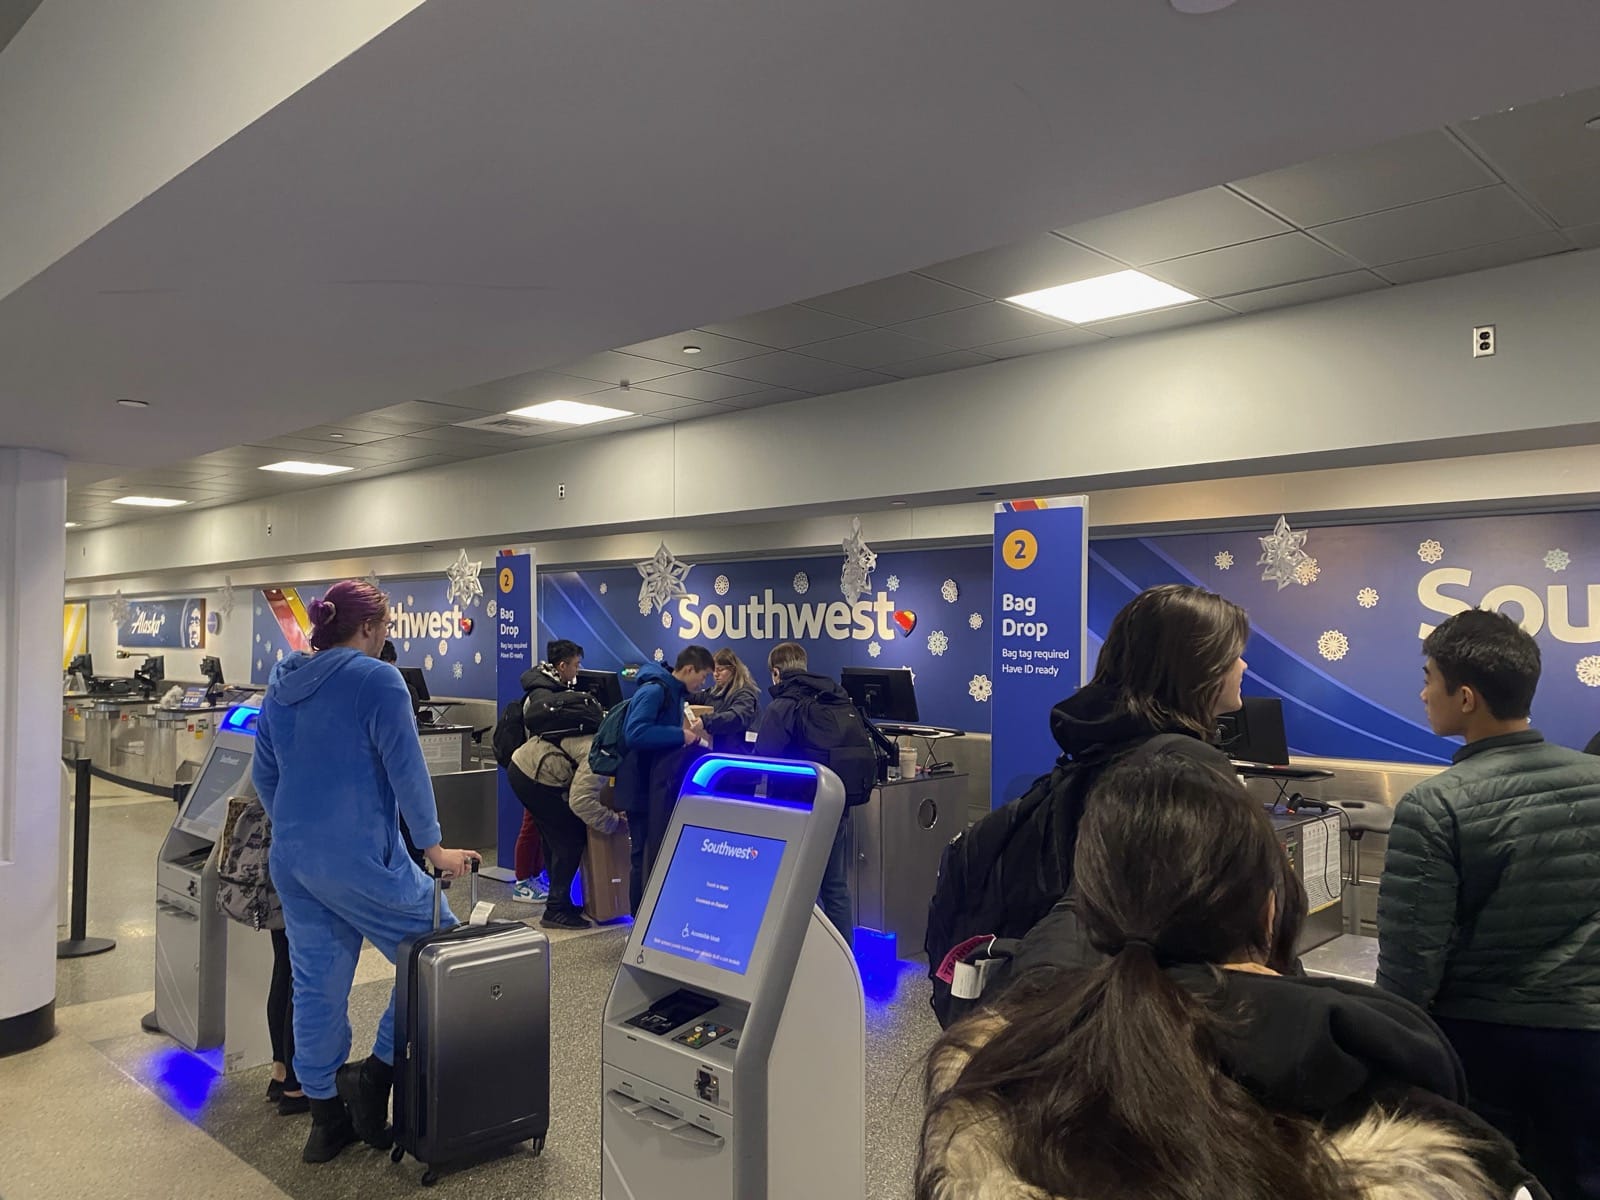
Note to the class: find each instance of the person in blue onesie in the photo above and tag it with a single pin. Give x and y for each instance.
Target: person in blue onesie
(337, 763)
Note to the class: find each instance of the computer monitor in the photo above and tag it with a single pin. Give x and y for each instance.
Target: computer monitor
(882, 693)
(714, 898)
(1255, 733)
(152, 672)
(211, 668)
(604, 686)
(225, 773)
(417, 683)
(81, 664)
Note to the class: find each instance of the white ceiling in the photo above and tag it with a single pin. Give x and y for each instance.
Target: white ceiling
(490, 190)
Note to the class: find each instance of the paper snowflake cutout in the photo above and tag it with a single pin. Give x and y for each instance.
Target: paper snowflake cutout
(491, 610)
(427, 662)
(444, 648)
(892, 583)
(950, 591)
(478, 658)
(802, 583)
(660, 655)
(121, 610)
(1224, 561)
(980, 689)
(975, 621)
(465, 587)
(873, 649)
(604, 588)
(225, 598)
(1282, 552)
(666, 620)
(859, 564)
(1306, 573)
(1430, 551)
(662, 580)
(1333, 645)
(721, 585)
(1589, 670)
(1557, 560)
(457, 670)
(938, 643)
(1367, 597)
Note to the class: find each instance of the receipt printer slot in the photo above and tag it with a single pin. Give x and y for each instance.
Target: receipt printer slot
(671, 1011)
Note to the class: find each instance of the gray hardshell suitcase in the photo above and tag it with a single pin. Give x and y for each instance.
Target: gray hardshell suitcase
(472, 1019)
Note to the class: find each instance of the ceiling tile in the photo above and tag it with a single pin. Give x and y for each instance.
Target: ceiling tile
(1545, 150)
(423, 413)
(454, 436)
(306, 447)
(938, 364)
(805, 374)
(394, 449)
(871, 348)
(1029, 266)
(639, 400)
(1434, 227)
(1173, 228)
(389, 426)
(690, 412)
(614, 367)
(1587, 236)
(714, 349)
(1476, 258)
(585, 432)
(1286, 258)
(766, 396)
(334, 434)
(896, 299)
(1403, 171)
(786, 327)
(519, 391)
(1042, 343)
(1288, 294)
(700, 385)
(976, 326)
(1166, 318)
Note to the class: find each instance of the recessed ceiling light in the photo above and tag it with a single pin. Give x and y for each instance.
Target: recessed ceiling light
(338, 437)
(897, 504)
(149, 501)
(305, 468)
(134, 403)
(1201, 6)
(691, 349)
(570, 412)
(72, 524)
(1114, 295)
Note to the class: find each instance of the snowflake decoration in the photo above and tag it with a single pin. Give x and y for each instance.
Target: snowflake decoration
(465, 586)
(604, 588)
(721, 586)
(938, 643)
(1333, 645)
(859, 564)
(1367, 597)
(802, 583)
(267, 646)
(1557, 560)
(258, 610)
(277, 656)
(491, 610)
(1306, 573)
(1430, 551)
(892, 583)
(478, 658)
(427, 662)
(1224, 561)
(662, 580)
(121, 610)
(980, 689)
(444, 647)
(225, 597)
(259, 664)
(975, 621)
(873, 649)
(258, 639)
(456, 670)
(1282, 552)
(406, 646)
(666, 620)
(660, 655)
(950, 591)
(1589, 670)
(411, 601)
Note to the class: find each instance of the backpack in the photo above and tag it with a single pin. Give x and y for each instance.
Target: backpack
(244, 883)
(562, 714)
(509, 732)
(610, 743)
(832, 734)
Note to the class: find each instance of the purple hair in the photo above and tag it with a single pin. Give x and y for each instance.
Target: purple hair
(343, 610)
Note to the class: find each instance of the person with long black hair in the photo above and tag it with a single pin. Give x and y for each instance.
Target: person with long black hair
(1183, 1066)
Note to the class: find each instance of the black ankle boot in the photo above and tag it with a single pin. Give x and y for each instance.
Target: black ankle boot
(365, 1090)
(331, 1131)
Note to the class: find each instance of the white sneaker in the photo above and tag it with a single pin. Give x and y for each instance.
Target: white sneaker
(530, 891)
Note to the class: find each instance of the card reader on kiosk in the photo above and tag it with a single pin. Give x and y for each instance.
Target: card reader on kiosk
(734, 1042)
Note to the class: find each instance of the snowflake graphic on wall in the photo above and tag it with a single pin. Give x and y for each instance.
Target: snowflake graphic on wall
(873, 649)
(457, 670)
(427, 662)
(258, 639)
(1333, 645)
(721, 585)
(1430, 551)
(259, 664)
(975, 621)
(980, 689)
(1306, 573)
(1224, 561)
(1367, 597)
(410, 601)
(660, 655)
(1557, 560)
(892, 583)
(802, 583)
(666, 620)
(1589, 670)
(444, 647)
(950, 591)
(267, 646)
(406, 646)
(491, 610)
(938, 643)
(277, 655)
(478, 658)
(604, 588)
(644, 606)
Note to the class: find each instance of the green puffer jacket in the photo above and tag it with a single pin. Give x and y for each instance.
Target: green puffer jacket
(1490, 903)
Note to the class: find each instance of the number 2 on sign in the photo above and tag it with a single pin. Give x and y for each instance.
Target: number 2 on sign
(1021, 549)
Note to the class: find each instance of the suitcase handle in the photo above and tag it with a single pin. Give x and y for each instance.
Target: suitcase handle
(441, 884)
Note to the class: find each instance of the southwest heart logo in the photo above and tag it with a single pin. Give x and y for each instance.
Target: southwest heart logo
(907, 620)
(466, 624)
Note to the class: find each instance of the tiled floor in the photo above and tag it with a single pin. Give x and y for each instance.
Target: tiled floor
(107, 1110)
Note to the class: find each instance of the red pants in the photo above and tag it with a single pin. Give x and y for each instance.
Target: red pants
(529, 853)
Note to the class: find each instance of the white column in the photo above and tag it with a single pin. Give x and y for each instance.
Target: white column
(33, 498)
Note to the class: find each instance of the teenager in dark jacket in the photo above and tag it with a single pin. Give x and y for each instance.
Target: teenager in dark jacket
(1182, 1065)
(735, 704)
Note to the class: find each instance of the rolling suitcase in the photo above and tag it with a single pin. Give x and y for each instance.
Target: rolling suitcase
(472, 1019)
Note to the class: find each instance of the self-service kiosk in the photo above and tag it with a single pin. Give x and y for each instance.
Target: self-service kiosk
(734, 1044)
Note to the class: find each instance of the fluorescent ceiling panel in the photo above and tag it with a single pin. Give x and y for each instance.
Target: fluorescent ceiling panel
(1104, 296)
(570, 412)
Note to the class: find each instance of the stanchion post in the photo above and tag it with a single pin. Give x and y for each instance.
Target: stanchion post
(78, 944)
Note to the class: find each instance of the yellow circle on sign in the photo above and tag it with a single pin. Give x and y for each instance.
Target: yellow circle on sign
(1021, 549)
(507, 579)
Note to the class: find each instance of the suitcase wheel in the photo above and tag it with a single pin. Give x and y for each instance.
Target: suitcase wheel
(429, 1178)
(538, 1146)
(396, 1154)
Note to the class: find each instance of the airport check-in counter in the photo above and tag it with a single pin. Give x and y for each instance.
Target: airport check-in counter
(133, 741)
(897, 839)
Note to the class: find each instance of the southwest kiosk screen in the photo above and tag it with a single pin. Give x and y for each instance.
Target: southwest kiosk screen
(715, 896)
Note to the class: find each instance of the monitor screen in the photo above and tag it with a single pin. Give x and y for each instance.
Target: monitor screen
(226, 773)
(714, 897)
(1255, 732)
(882, 693)
(604, 686)
(417, 683)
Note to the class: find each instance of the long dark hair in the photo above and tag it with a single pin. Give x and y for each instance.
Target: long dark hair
(1168, 652)
(1106, 1083)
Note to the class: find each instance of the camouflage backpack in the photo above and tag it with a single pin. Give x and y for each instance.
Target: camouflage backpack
(244, 885)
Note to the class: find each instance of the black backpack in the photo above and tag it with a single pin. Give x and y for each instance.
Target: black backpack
(509, 732)
(546, 714)
(832, 734)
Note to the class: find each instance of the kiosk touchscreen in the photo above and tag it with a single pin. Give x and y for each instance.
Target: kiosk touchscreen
(733, 1045)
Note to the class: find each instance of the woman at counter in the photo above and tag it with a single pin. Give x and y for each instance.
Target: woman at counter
(731, 708)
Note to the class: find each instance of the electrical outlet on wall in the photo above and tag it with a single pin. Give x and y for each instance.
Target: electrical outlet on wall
(561, 491)
(1483, 342)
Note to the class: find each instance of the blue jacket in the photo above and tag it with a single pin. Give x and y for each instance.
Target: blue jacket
(655, 714)
(337, 755)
